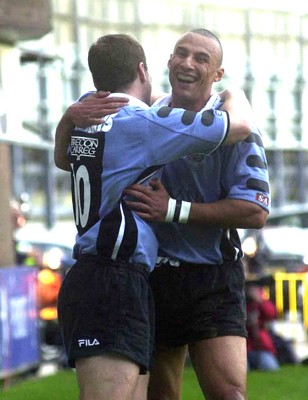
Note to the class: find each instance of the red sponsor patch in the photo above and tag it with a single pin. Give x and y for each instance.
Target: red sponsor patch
(262, 199)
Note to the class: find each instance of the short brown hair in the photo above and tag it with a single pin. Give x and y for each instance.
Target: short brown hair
(113, 61)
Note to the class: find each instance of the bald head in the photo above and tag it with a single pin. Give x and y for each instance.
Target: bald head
(210, 35)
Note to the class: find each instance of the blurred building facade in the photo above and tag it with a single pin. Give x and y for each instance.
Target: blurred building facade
(19, 20)
(265, 52)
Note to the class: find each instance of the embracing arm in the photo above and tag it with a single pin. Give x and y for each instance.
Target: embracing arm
(228, 213)
(152, 205)
(62, 140)
(240, 113)
(85, 113)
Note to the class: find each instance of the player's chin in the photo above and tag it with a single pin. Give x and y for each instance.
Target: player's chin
(185, 86)
(186, 95)
(188, 89)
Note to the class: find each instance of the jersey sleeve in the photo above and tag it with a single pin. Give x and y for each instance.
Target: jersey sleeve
(178, 132)
(246, 171)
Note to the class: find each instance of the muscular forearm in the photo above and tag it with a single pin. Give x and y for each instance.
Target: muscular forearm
(62, 140)
(240, 113)
(152, 203)
(228, 213)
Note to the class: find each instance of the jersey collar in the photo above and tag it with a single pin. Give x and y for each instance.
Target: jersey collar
(133, 101)
(213, 102)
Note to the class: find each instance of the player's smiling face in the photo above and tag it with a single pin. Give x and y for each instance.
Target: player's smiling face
(193, 67)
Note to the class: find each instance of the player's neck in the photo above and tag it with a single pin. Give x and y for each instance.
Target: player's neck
(187, 103)
(139, 90)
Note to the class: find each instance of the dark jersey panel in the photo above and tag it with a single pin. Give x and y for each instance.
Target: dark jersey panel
(86, 153)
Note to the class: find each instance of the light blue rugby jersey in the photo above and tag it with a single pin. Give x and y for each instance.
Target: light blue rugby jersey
(236, 172)
(105, 159)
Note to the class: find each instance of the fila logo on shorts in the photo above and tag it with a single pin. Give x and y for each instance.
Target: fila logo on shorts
(88, 342)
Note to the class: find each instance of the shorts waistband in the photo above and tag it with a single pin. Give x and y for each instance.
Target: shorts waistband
(172, 262)
(119, 263)
(166, 260)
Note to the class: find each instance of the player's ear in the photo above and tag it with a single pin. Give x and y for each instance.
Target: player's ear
(168, 63)
(219, 74)
(142, 71)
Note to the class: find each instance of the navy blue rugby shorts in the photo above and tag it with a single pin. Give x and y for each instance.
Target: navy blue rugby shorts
(106, 306)
(196, 301)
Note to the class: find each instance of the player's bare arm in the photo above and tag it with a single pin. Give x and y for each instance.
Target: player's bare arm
(151, 204)
(87, 112)
(93, 108)
(242, 119)
(228, 213)
(62, 140)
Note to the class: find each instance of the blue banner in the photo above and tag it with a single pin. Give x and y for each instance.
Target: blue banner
(19, 325)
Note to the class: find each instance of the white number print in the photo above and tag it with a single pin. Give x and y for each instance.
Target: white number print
(82, 214)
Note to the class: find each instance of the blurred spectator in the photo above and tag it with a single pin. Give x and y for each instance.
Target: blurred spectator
(261, 351)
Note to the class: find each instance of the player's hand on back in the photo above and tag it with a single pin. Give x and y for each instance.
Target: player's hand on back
(92, 109)
(151, 202)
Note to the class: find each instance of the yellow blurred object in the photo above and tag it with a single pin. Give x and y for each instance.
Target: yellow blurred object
(47, 277)
(49, 283)
(294, 281)
(48, 313)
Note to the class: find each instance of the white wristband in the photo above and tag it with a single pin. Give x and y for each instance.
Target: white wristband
(171, 210)
(185, 210)
(178, 211)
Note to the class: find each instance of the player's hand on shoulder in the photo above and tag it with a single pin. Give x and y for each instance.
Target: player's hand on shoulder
(232, 93)
(235, 100)
(242, 118)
